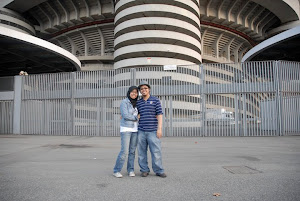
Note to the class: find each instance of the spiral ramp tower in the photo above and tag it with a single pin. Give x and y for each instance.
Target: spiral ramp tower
(150, 34)
(157, 33)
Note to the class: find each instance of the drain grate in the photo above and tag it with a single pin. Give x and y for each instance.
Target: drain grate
(241, 170)
(67, 146)
(73, 146)
(103, 185)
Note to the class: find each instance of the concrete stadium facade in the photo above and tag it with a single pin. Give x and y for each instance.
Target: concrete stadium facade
(106, 34)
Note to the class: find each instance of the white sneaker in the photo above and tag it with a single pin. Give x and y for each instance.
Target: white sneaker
(118, 175)
(131, 174)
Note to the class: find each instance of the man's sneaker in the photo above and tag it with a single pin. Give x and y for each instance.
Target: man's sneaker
(163, 175)
(145, 174)
(118, 175)
(131, 174)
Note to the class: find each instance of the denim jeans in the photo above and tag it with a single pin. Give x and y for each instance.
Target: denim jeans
(128, 147)
(145, 139)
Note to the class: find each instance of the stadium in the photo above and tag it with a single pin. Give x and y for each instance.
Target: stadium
(185, 49)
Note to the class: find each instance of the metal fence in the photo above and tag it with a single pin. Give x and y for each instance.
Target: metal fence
(244, 99)
(6, 116)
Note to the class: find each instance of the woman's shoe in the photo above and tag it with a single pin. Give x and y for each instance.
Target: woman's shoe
(131, 174)
(118, 175)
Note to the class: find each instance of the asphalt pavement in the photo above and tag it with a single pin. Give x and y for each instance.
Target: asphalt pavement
(40, 168)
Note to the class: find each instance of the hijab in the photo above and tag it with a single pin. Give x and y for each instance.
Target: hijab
(133, 101)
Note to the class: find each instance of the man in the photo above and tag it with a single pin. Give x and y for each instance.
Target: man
(149, 131)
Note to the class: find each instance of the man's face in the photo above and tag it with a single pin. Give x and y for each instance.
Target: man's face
(144, 89)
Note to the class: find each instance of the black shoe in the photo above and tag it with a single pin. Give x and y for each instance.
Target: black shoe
(145, 174)
(163, 175)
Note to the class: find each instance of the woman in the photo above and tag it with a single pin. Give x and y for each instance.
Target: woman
(128, 130)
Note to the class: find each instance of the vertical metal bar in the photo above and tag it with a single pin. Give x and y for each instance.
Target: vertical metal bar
(171, 115)
(203, 99)
(104, 123)
(252, 114)
(33, 115)
(218, 120)
(84, 116)
(236, 111)
(133, 76)
(279, 97)
(2, 117)
(24, 119)
(35, 87)
(17, 104)
(244, 115)
(231, 106)
(258, 117)
(72, 120)
(59, 81)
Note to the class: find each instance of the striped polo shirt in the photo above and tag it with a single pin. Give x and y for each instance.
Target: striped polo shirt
(148, 111)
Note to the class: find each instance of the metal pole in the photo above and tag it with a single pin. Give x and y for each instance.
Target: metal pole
(244, 116)
(236, 116)
(18, 80)
(72, 131)
(163, 104)
(171, 115)
(277, 80)
(169, 82)
(103, 106)
(133, 76)
(203, 99)
(98, 119)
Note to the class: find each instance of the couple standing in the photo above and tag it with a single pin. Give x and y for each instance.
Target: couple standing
(141, 125)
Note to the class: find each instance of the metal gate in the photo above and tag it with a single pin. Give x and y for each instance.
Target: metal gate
(244, 99)
(6, 116)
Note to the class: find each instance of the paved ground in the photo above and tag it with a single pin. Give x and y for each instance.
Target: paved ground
(80, 168)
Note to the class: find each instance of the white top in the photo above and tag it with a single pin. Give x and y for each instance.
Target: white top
(135, 125)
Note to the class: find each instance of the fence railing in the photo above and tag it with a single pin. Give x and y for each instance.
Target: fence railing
(6, 116)
(243, 99)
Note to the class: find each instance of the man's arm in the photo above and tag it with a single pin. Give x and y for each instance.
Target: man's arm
(159, 126)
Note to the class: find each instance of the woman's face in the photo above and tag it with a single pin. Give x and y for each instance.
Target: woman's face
(133, 94)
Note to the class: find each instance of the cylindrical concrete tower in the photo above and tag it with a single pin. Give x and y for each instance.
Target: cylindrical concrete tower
(155, 32)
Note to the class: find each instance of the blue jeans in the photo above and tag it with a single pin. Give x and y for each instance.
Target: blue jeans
(145, 139)
(128, 147)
